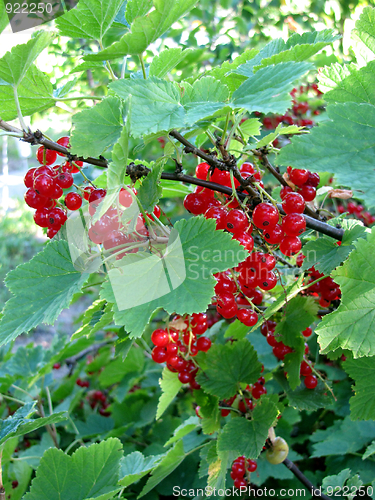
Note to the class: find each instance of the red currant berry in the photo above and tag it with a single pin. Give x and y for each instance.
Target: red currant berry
(265, 215)
(290, 245)
(268, 282)
(240, 483)
(294, 224)
(307, 332)
(64, 180)
(281, 350)
(219, 214)
(56, 366)
(252, 465)
(35, 200)
(305, 369)
(293, 203)
(271, 340)
(44, 185)
(236, 221)
(159, 354)
(195, 203)
(307, 192)
(285, 190)
(184, 377)
(87, 191)
(203, 344)
(49, 154)
(57, 192)
(52, 232)
(238, 469)
(274, 235)
(56, 218)
(160, 337)
(245, 239)
(201, 171)
(258, 390)
(247, 317)
(313, 180)
(41, 217)
(63, 141)
(311, 382)
(73, 201)
(29, 178)
(299, 176)
(267, 327)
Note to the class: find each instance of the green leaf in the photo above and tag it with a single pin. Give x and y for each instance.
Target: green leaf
(237, 330)
(4, 20)
(85, 65)
(170, 385)
(358, 86)
(172, 189)
(362, 371)
(343, 146)
(182, 430)
(146, 29)
(336, 481)
(167, 60)
(267, 139)
(247, 437)
(97, 128)
(95, 426)
(345, 436)
(351, 325)
(135, 466)
(33, 454)
(96, 317)
(157, 104)
(116, 369)
(226, 72)
(167, 465)
(303, 398)
(41, 289)
(90, 19)
(34, 95)
(94, 472)
(268, 91)
(14, 65)
(150, 190)
(201, 252)
(302, 47)
(364, 35)
(325, 254)
(20, 422)
(137, 8)
(241, 366)
(331, 76)
(299, 313)
(370, 450)
(25, 362)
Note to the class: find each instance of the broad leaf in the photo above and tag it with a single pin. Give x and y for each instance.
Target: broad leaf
(94, 472)
(90, 19)
(170, 385)
(325, 254)
(41, 289)
(247, 437)
(343, 146)
(134, 466)
(241, 366)
(96, 317)
(269, 89)
(34, 95)
(14, 65)
(182, 430)
(351, 325)
(364, 35)
(191, 261)
(358, 86)
(362, 371)
(4, 20)
(167, 60)
(117, 169)
(137, 8)
(370, 450)
(146, 29)
(95, 426)
(167, 465)
(226, 72)
(150, 190)
(330, 76)
(97, 128)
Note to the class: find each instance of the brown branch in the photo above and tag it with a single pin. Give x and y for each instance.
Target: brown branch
(315, 492)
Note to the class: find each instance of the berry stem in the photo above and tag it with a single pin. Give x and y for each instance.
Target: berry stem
(19, 112)
(143, 66)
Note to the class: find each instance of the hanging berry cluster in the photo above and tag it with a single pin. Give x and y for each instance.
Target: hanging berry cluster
(358, 211)
(241, 470)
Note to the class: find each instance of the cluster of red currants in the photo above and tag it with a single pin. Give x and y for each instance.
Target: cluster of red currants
(178, 346)
(241, 469)
(326, 289)
(46, 186)
(304, 180)
(97, 399)
(358, 211)
(245, 402)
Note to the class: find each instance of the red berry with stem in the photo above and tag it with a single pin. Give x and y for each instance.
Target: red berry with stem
(236, 221)
(265, 216)
(299, 176)
(238, 469)
(258, 390)
(73, 201)
(267, 327)
(307, 192)
(274, 235)
(294, 224)
(201, 171)
(56, 366)
(41, 217)
(271, 340)
(285, 190)
(240, 483)
(160, 337)
(305, 369)
(159, 354)
(64, 180)
(219, 214)
(293, 203)
(247, 316)
(203, 344)
(268, 282)
(290, 245)
(307, 332)
(87, 191)
(184, 377)
(63, 141)
(57, 192)
(195, 203)
(245, 239)
(252, 465)
(50, 156)
(29, 178)
(313, 180)
(44, 185)
(35, 200)
(56, 218)
(310, 381)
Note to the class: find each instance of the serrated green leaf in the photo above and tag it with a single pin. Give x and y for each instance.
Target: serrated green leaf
(146, 29)
(225, 73)
(336, 481)
(137, 8)
(157, 104)
(362, 371)
(150, 190)
(247, 437)
(170, 385)
(345, 436)
(95, 426)
(91, 19)
(364, 35)
(370, 450)
(25, 362)
(97, 128)
(251, 126)
(167, 465)
(204, 251)
(96, 317)
(305, 399)
(268, 91)
(41, 289)
(182, 430)
(20, 422)
(172, 189)
(209, 411)
(33, 454)
(241, 366)
(117, 368)
(4, 20)
(14, 65)
(325, 254)
(167, 60)
(237, 330)
(134, 466)
(34, 95)
(350, 326)
(85, 65)
(343, 146)
(358, 86)
(331, 76)
(94, 471)
(267, 139)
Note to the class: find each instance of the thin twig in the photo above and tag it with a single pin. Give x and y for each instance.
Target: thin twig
(315, 492)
